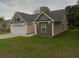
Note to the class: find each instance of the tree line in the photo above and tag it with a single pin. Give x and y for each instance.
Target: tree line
(72, 14)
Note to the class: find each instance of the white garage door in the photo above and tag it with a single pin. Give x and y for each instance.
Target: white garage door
(18, 30)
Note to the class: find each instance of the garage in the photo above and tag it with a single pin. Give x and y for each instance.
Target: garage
(18, 29)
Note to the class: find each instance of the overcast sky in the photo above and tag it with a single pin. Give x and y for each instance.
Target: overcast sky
(9, 7)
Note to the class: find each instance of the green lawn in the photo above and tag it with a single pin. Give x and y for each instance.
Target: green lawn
(64, 45)
(4, 33)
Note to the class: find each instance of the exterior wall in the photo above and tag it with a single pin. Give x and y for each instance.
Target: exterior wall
(57, 28)
(30, 28)
(48, 32)
(65, 23)
(61, 27)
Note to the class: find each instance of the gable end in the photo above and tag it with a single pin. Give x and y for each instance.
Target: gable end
(17, 18)
(44, 19)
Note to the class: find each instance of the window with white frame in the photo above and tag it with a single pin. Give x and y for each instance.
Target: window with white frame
(43, 28)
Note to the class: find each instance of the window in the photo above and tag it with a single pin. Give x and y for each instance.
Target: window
(43, 27)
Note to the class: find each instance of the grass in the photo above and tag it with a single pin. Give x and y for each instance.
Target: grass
(4, 33)
(64, 45)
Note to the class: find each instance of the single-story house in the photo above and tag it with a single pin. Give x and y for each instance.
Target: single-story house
(40, 24)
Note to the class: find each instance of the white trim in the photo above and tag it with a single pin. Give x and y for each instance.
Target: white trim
(37, 22)
(43, 21)
(52, 29)
(38, 16)
(48, 22)
(18, 24)
(35, 28)
(25, 28)
(45, 15)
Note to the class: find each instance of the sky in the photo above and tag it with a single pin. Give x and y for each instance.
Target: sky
(9, 7)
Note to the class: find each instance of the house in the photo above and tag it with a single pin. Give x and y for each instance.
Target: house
(41, 24)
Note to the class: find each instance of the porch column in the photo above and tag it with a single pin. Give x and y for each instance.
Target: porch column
(26, 29)
(35, 28)
(52, 28)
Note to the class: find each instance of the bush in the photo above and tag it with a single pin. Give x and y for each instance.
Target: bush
(71, 27)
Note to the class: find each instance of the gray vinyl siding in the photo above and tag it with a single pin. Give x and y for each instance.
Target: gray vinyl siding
(30, 28)
(61, 27)
(48, 28)
(57, 28)
(65, 23)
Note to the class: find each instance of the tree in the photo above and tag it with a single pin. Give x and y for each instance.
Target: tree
(72, 14)
(37, 10)
(42, 8)
(1, 19)
(78, 2)
(69, 15)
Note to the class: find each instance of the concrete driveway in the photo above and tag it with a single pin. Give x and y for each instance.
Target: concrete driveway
(8, 36)
(13, 35)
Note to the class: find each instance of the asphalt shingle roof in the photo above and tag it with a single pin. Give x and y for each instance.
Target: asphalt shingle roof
(55, 15)
(26, 17)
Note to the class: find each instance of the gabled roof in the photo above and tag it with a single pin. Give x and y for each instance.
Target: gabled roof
(26, 17)
(55, 15)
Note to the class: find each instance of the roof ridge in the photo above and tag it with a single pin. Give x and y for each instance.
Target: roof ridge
(56, 10)
(23, 13)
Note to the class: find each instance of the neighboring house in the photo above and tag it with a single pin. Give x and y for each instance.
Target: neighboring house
(50, 24)
(4, 26)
